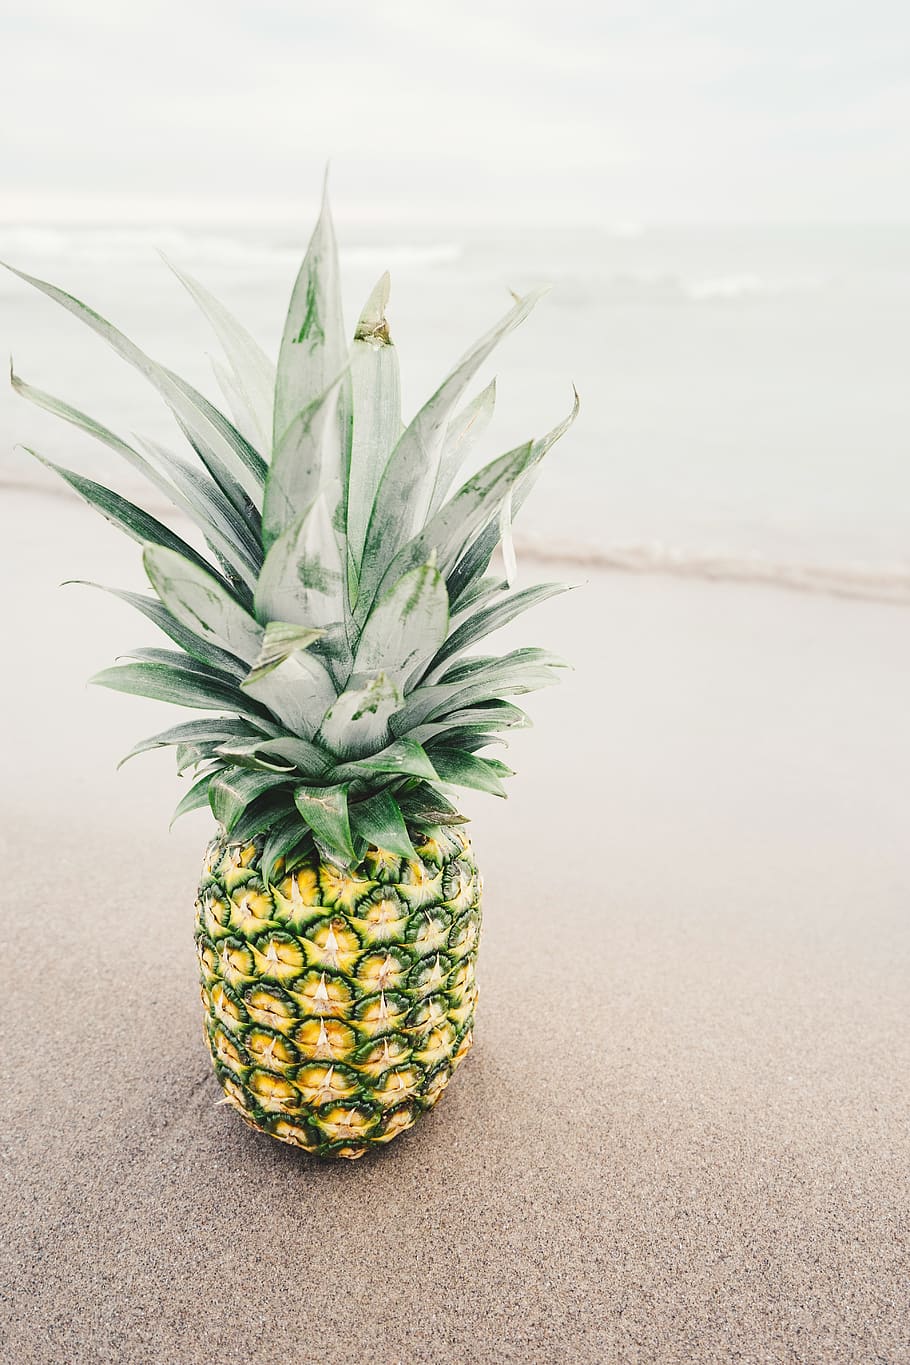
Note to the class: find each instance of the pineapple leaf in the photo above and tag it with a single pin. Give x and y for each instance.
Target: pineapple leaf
(402, 757)
(379, 821)
(232, 790)
(201, 603)
(475, 504)
(235, 535)
(298, 691)
(406, 627)
(162, 682)
(312, 357)
(232, 462)
(298, 472)
(489, 619)
(481, 592)
(425, 807)
(509, 561)
(279, 642)
(483, 667)
(193, 732)
(376, 397)
(192, 493)
(476, 559)
(462, 434)
(194, 799)
(253, 372)
(193, 755)
(139, 525)
(284, 835)
(357, 723)
(263, 811)
(302, 578)
(432, 702)
(283, 754)
(179, 659)
(411, 475)
(494, 715)
(156, 612)
(325, 810)
(461, 769)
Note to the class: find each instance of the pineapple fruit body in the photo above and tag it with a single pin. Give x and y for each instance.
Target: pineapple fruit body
(338, 1002)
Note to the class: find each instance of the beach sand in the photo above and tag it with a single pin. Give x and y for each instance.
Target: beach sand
(683, 1132)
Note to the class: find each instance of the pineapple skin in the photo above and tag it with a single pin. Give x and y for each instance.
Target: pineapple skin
(338, 1003)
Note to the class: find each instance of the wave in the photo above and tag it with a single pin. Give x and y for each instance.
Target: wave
(745, 286)
(124, 245)
(867, 582)
(870, 582)
(581, 281)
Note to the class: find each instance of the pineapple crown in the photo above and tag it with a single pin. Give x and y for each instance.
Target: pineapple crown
(345, 574)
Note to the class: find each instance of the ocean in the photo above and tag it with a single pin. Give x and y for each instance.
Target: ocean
(745, 401)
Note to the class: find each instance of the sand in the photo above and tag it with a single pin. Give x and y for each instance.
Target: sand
(683, 1132)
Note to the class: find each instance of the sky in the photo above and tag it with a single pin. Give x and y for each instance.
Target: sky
(709, 111)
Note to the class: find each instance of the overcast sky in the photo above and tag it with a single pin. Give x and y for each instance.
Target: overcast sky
(691, 110)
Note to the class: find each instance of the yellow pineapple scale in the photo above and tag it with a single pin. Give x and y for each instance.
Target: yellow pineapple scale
(337, 1005)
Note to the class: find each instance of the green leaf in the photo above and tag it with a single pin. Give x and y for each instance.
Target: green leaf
(503, 677)
(187, 489)
(491, 618)
(424, 807)
(476, 557)
(279, 642)
(164, 683)
(509, 561)
(357, 723)
(262, 813)
(194, 732)
(483, 667)
(302, 578)
(475, 504)
(195, 798)
(467, 737)
(411, 475)
(403, 756)
(234, 789)
(156, 612)
(297, 473)
(312, 357)
(298, 691)
(406, 627)
(325, 810)
(376, 394)
(379, 821)
(231, 461)
(478, 594)
(200, 602)
(252, 372)
(283, 754)
(179, 659)
(234, 535)
(462, 434)
(462, 769)
(283, 838)
(494, 715)
(138, 525)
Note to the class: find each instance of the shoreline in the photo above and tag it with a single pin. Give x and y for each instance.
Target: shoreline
(861, 581)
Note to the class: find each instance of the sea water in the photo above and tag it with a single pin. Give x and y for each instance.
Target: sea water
(745, 398)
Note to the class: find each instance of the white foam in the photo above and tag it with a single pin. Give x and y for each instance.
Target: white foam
(873, 582)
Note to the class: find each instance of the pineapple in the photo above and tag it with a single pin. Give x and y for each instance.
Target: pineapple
(321, 616)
